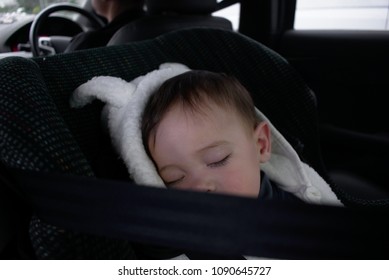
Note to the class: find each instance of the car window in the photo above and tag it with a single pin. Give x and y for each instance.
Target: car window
(342, 14)
(11, 10)
(231, 13)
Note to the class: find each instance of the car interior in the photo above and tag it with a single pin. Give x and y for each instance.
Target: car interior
(322, 89)
(168, 16)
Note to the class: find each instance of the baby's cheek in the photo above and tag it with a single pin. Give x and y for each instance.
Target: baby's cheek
(232, 182)
(242, 182)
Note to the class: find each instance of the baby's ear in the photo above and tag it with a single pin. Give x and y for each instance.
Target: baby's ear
(111, 90)
(262, 137)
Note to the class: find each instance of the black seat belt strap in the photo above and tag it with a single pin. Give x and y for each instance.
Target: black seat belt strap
(203, 222)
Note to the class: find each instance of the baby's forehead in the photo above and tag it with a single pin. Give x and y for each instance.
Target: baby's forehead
(209, 112)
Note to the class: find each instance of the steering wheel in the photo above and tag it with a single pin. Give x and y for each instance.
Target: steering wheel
(36, 47)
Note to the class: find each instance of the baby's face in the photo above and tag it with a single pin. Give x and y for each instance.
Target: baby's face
(211, 153)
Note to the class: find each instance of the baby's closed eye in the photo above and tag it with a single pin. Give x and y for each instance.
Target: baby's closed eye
(172, 176)
(172, 183)
(221, 162)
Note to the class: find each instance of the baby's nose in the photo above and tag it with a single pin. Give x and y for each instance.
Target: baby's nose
(205, 185)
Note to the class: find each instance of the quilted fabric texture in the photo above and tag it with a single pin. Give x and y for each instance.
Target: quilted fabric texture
(33, 134)
(39, 131)
(34, 137)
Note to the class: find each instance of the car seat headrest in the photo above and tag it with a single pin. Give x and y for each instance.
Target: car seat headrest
(180, 6)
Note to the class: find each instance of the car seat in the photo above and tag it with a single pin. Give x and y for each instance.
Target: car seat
(40, 132)
(169, 15)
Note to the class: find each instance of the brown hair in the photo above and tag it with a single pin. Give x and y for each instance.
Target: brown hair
(192, 90)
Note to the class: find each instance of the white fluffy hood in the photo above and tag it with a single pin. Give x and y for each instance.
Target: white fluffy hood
(125, 102)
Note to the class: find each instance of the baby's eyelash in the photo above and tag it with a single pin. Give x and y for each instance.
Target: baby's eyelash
(220, 162)
(172, 183)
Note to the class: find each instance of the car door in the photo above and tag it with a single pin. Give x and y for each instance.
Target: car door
(345, 62)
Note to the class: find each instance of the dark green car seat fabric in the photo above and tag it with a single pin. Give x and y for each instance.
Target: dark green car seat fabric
(39, 131)
(34, 137)
(33, 133)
